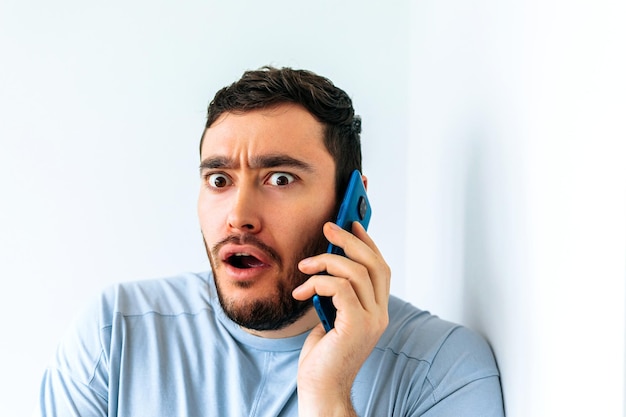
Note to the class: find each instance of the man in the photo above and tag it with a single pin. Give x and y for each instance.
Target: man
(243, 339)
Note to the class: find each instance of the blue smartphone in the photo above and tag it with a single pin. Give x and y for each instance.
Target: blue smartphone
(355, 207)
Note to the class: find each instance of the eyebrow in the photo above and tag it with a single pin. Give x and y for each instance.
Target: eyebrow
(257, 162)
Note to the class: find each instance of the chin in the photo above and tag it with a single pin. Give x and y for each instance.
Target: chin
(261, 309)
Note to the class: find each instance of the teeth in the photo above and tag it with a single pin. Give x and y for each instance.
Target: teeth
(242, 254)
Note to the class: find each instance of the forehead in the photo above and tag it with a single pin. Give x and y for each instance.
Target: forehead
(285, 129)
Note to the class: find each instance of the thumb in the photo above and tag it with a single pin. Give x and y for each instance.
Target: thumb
(312, 339)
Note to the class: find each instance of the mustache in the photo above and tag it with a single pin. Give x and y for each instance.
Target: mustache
(247, 239)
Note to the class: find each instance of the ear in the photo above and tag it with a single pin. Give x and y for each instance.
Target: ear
(364, 178)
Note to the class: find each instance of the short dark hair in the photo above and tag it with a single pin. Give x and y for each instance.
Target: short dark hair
(330, 105)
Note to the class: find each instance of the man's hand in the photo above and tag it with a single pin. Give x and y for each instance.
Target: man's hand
(359, 287)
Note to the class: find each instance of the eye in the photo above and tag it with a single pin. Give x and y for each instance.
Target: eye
(217, 180)
(280, 179)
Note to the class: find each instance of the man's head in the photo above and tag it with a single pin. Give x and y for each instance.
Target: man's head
(330, 105)
(274, 146)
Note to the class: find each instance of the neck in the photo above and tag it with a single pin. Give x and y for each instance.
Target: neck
(302, 325)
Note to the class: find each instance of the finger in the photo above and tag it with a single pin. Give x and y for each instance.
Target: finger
(359, 231)
(350, 310)
(339, 267)
(341, 290)
(382, 285)
(360, 248)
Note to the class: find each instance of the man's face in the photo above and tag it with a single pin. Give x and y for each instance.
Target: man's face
(268, 186)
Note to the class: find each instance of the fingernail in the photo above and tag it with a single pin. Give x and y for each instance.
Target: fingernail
(334, 226)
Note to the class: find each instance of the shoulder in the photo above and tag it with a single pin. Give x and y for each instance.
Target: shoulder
(123, 326)
(185, 293)
(90, 331)
(427, 364)
(454, 355)
(427, 336)
(89, 335)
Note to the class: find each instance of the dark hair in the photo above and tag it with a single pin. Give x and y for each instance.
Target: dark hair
(330, 105)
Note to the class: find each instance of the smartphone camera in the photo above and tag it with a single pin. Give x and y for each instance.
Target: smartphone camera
(362, 208)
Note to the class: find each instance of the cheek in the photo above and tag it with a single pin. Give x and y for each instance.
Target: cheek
(302, 225)
(210, 216)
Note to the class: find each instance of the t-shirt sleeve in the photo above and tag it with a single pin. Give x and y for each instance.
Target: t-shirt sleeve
(75, 383)
(479, 398)
(464, 379)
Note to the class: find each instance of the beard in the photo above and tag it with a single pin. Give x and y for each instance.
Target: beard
(278, 310)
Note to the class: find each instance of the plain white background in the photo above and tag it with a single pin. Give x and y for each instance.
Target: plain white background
(493, 139)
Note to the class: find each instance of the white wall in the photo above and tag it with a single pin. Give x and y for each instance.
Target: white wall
(101, 110)
(517, 191)
(511, 186)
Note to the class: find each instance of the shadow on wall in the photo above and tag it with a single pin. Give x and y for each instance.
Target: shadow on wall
(479, 269)
(496, 292)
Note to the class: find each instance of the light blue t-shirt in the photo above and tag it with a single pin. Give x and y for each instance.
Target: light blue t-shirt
(165, 348)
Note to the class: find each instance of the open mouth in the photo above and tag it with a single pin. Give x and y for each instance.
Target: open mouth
(244, 261)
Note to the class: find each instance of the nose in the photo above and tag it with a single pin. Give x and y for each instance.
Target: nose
(244, 213)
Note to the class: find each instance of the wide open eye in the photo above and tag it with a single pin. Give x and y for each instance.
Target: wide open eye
(217, 180)
(280, 179)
